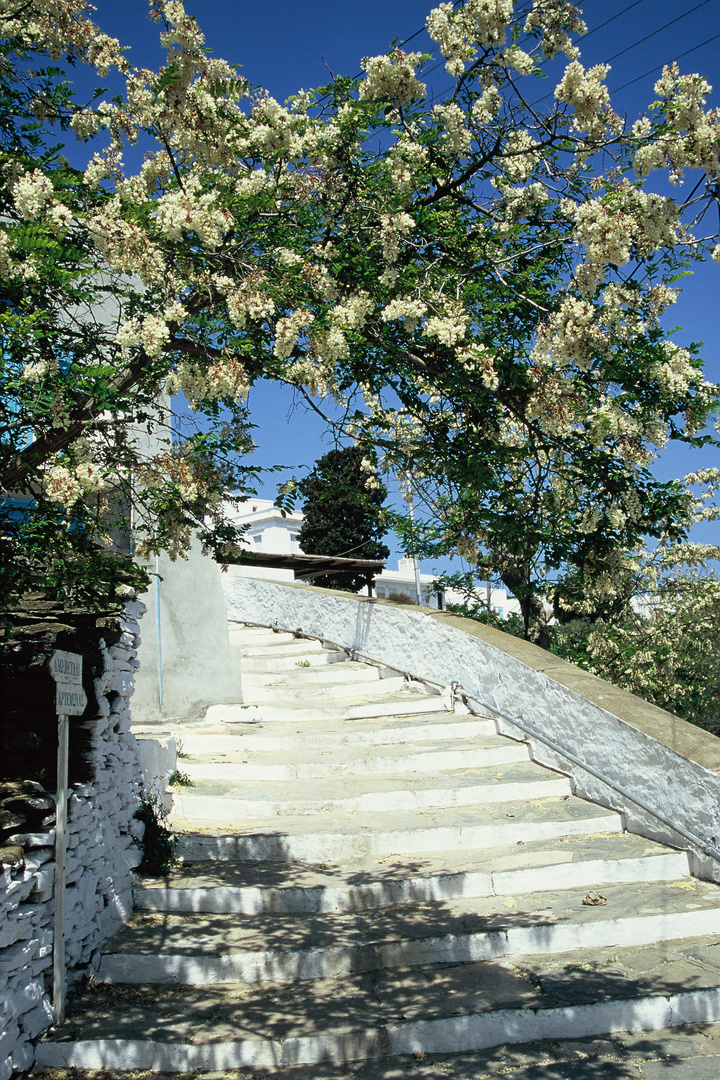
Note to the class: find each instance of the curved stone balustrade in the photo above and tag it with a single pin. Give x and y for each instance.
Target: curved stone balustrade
(620, 751)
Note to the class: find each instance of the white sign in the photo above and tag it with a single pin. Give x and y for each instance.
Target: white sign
(70, 700)
(66, 667)
(66, 670)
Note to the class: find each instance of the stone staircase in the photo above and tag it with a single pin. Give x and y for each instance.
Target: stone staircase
(366, 874)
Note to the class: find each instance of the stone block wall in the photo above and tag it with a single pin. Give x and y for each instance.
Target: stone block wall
(660, 772)
(102, 845)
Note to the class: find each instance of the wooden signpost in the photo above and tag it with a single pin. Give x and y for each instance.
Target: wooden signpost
(70, 700)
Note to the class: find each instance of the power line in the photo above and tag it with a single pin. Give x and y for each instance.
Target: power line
(659, 29)
(641, 41)
(622, 52)
(659, 67)
(611, 19)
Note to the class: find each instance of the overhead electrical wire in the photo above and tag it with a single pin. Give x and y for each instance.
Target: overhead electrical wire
(612, 19)
(647, 37)
(658, 67)
(595, 29)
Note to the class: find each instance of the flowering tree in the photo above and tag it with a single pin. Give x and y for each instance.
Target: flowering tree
(477, 282)
(654, 627)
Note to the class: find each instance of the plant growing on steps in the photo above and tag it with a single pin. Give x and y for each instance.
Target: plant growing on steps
(178, 778)
(158, 841)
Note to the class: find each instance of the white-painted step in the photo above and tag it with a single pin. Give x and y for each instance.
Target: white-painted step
(364, 687)
(365, 873)
(293, 662)
(578, 862)
(280, 734)
(344, 760)
(310, 678)
(190, 806)
(366, 838)
(457, 1034)
(178, 951)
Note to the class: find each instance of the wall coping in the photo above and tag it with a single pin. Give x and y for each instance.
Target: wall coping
(662, 773)
(680, 735)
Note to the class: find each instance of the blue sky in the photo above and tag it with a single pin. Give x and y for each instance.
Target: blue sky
(286, 45)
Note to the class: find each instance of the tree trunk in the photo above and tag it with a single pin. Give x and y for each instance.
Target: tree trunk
(532, 608)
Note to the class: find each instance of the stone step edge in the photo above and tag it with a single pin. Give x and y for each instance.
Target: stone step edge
(310, 678)
(457, 1034)
(267, 736)
(198, 807)
(320, 846)
(297, 965)
(392, 708)
(387, 761)
(257, 899)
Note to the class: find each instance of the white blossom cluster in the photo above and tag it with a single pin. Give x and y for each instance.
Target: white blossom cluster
(691, 135)
(571, 335)
(609, 423)
(6, 261)
(392, 78)
(66, 484)
(524, 202)
(185, 210)
(313, 374)
(249, 302)
(623, 222)
(330, 344)
(61, 28)
(448, 328)
(675, 375)
(514, 57)
(124, 245)
(487, 106)
(459, 32)
(59, 219)
(457, 136)
(557, 19)
(85, 124)
(407, 157)
(589, 520)
(551, 401)
(479, 358)
(150, 332)
(287, 331)
(36, 371)
(31, 194)
(589, 98)
(277, 130)
(520, 156)
(352, 312)
(287, 258)
(408, 308)
(224, 378)
(392, 228)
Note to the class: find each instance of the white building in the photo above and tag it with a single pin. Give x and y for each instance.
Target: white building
(269, 531)
(401, 584)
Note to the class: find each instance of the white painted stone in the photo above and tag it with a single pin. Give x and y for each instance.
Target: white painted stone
(424, 647)
(101, 855)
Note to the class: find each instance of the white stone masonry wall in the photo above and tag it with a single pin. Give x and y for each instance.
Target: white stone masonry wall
(102, 853)
(612, 761)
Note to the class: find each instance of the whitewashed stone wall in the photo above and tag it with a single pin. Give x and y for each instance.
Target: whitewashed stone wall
(660, 772)
(102, 853)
